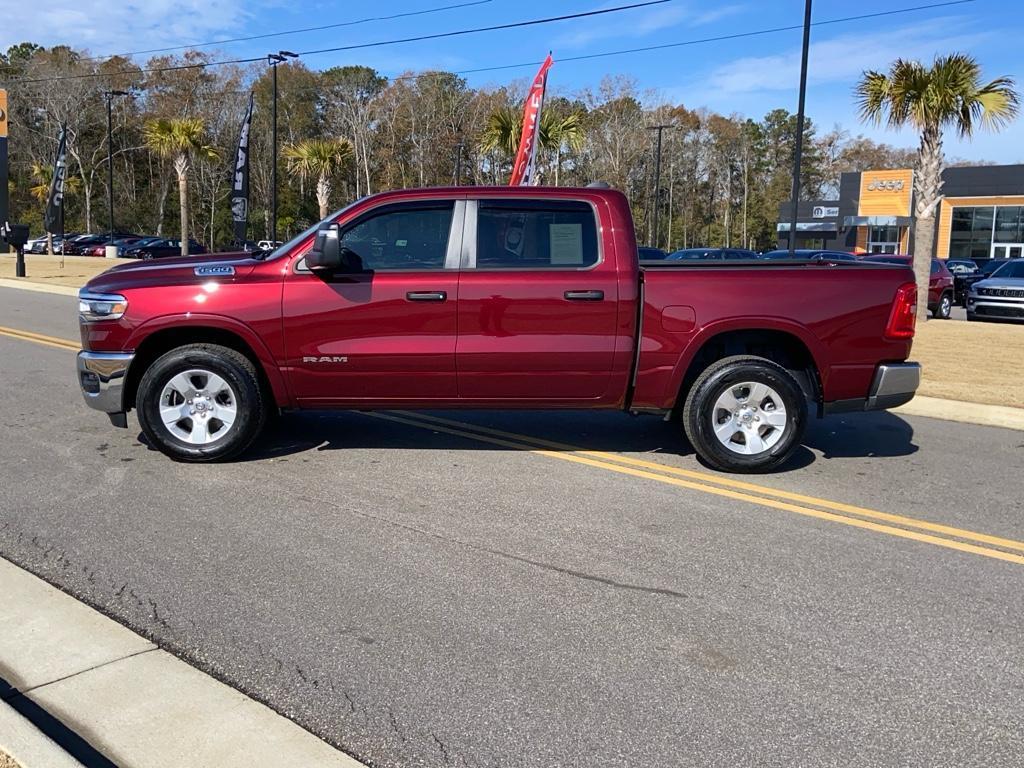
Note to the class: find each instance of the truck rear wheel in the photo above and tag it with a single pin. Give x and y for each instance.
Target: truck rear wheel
(745, 414)
(201, 402)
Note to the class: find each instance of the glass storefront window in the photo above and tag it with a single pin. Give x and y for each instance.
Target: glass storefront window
(883, 239)
(970, 236)
(1008, 225)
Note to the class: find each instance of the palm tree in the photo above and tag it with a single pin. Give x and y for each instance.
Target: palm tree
(949, 94)
(557, 132)
(179, 139)
(321, 158)
(43, 176)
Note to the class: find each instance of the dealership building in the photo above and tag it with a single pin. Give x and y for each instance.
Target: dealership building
(981, 215)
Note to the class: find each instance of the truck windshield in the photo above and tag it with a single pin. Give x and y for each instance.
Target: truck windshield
(287, 247)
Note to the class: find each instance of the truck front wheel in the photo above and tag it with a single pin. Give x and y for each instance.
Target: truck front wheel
(201, 402)
(745, 414)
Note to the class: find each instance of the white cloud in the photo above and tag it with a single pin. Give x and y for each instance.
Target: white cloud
(642, 23)
(105, 27)
(842, 58)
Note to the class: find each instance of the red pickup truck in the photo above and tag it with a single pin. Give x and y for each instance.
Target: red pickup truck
(493, 298)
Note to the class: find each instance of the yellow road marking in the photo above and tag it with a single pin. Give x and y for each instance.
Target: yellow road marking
(600, 459)
(436, 425)
(729, 482)
(39, 338)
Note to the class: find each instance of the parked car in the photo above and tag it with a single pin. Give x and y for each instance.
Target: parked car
(73, 246)
(961, 266)
(808, 254)
(268, 245)
(940, 284)
(520, 297)
(986, 270)
(999, 296)
(120, 243)
(164, 248)
(711, 254)
(647, 253)
(128, 249)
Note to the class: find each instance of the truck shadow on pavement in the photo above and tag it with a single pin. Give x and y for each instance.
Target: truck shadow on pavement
(867, 435)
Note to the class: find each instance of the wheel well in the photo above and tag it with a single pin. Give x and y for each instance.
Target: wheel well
(160, 342)
(778, 346)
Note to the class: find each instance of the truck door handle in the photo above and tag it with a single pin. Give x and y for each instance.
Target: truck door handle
(584, 295)
(426, 295)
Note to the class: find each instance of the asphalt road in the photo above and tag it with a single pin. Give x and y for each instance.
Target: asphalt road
(420, 596)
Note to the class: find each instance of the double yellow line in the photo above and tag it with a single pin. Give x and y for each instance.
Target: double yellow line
(39, 338)
(823, 509)
(962, 540)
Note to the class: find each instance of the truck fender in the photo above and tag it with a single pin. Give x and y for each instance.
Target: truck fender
(278, 384)
(726, 325)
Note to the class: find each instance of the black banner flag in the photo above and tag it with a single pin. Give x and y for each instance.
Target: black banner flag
(53, 219)
(240, 182)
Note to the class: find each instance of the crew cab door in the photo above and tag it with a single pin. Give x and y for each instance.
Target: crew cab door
(538, 303)
(385, 334)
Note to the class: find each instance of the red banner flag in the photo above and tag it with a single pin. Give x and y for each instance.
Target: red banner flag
(523, 170)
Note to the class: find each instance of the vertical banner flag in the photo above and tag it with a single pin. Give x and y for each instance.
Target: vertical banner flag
(240, 184)
(523, 170)
(53, 219)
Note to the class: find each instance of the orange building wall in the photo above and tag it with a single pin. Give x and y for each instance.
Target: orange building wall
(946, 216)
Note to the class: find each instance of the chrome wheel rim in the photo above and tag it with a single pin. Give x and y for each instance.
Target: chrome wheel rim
(946, 306)
(749, 418)
(198, 407)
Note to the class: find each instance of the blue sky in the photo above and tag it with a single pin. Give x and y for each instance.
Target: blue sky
(747, 76)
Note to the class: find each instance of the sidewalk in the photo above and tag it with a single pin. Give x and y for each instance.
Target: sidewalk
(75, 685)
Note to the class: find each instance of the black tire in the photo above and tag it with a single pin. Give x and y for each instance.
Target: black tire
(945, 307)
(699, 416)
(251, 403)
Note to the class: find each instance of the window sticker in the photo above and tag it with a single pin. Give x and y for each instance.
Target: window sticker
(566, 243)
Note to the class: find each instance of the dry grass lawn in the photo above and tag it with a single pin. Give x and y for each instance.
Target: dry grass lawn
(75, 273)
(976, 362)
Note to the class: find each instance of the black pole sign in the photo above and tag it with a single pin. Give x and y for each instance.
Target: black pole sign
(240, 182)
(53, 219)
(3, 158)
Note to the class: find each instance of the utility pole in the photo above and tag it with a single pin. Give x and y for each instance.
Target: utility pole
(110, 164)
(657, 178)
(799, 145)
(273, 59)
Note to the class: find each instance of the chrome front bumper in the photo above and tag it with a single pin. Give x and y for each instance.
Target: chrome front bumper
(101, 376)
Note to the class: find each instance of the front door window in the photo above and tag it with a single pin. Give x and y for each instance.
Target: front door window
(884, 239)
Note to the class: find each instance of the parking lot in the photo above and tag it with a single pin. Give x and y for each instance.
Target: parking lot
(484, 589)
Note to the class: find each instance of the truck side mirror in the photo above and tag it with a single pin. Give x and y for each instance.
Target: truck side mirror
(325, 255)
(329, 255)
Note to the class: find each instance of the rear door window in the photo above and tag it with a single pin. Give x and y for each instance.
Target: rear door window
(518, 234)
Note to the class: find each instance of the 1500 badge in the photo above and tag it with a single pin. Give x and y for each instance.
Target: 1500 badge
(325, 359)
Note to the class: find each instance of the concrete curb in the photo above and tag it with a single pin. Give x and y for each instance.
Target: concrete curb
(966, 413)
(110, 697)
(20, 739)
(27, 285)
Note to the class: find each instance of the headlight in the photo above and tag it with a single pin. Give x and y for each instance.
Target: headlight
(101, 306)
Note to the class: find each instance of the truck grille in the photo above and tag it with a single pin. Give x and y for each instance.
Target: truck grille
(1008, 293)
(991, 311)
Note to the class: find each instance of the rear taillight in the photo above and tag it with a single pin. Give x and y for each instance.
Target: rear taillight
(903, 318)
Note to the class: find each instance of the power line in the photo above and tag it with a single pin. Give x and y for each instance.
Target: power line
(301, 30)
(521, 65)
(379, 43)
(663, 46)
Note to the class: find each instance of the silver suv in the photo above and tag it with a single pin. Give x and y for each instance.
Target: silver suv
(999, 297)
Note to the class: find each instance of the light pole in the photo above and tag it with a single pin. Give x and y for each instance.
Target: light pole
(273, 59)
(110, 162)
(799, 146)
(657, 178)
